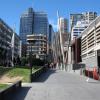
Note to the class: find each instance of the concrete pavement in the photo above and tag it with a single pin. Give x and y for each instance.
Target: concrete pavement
(59, 85)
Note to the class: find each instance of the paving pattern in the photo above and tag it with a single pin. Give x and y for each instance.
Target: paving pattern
(59, 85)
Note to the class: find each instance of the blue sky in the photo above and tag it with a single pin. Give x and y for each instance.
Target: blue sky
(10, 10)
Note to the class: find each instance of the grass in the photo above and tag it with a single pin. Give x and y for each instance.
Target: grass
(3, 70)
(20, 72)
(23, 72)
(3, 86)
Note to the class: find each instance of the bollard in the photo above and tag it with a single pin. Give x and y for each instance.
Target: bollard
(95, 74)
(81, 71)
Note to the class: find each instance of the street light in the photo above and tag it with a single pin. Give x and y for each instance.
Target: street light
(30, 43)
(30, 60)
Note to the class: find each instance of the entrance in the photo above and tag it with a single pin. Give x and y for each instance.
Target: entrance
(98, 59)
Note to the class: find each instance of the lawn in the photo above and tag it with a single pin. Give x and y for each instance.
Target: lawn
(3, 86)
(23, 72)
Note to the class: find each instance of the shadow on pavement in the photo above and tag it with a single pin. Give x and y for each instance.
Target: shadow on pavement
(45, 76)
(20, 94)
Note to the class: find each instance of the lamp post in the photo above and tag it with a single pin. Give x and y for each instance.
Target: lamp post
(30, 43)
(30, 58)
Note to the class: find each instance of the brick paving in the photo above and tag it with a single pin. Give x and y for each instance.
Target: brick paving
(60, 85)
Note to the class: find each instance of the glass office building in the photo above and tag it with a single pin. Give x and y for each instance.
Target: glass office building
(40, 23)
(32, 22)
(26, 24)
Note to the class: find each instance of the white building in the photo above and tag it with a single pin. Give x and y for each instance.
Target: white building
(89, 16)
(80, 21)
(78, 29)
(90, 45)
(63, 25)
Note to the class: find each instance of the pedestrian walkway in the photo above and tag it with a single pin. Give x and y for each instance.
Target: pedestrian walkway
(59, 85)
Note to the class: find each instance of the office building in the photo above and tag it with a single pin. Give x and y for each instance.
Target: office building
(89, 16)
(63, 25)
(86, 16)
(26, 24)
(37, 45)
(32, 23)
(50, 34)
(74, 18)
(78, 29)
(40, 25)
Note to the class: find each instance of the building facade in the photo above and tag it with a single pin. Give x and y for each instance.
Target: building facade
(26, 24)
(78, 29)
(89, 16)
(7, 35)
(32, 23)
(63, 25)
(78, 22)
(40, 25)
(5, 43)
(90, 45)
(50, 34)
(37, 45)
(74, 18)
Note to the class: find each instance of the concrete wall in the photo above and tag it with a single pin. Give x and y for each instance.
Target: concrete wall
(91, 61)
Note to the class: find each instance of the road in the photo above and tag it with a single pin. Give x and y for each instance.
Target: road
(60, 85)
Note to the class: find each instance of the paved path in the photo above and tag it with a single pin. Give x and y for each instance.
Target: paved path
(60, 85)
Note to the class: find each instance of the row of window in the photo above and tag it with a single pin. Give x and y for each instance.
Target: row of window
(90, 39)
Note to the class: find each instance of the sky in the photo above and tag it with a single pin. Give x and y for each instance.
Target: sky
(11, 10)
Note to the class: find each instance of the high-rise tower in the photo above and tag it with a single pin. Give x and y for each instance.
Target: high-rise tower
(26, 24)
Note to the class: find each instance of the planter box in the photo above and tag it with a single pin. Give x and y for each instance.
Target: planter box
(6, 93)
(36, 74)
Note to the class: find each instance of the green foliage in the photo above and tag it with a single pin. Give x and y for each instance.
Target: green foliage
(24, 61)
(37, 62)
(32, 60)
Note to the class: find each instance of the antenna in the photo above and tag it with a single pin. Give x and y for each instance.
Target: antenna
(58, 19)
(57, 14)
(14, 27)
